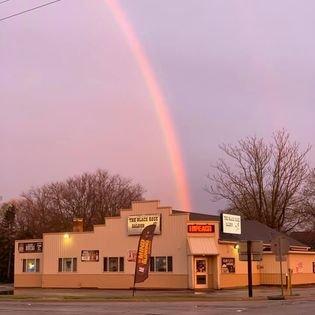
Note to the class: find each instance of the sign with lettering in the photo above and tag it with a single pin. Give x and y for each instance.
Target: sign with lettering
(89, 255)
(228, 265)
(200, 228)
(144, 254)
(136, 223)
(30, 247)
(132, 255)
(231, 223)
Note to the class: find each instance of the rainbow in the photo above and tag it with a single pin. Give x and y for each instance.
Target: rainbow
(160, 104)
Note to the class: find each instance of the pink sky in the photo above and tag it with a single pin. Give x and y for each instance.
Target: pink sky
(73, 98)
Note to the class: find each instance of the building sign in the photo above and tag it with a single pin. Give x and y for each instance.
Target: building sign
(200, 228)
(131, 255)
(144, 254)
(231, 223)
(33, 247)
(89, 255)
(228, 265)
(136, 223)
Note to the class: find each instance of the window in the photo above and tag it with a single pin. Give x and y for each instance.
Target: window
(31, 265)
(113, 264)
(67, 264)
(161, 264)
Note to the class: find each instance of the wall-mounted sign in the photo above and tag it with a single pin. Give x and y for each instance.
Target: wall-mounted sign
(228, 265)
(90, 255)
(136, 223)
(231, 223)
(132, 255)
(200, 228)
(33, 247)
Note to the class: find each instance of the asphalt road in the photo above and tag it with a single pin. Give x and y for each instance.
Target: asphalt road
(296, 307)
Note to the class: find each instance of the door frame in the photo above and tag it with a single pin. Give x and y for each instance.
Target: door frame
(203, 273)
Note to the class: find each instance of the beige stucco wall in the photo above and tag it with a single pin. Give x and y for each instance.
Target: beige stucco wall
(239, 278)
(112, 240)
(28, 280)
(270, 270)
(301, 263)
(302, 267)
(24, 279)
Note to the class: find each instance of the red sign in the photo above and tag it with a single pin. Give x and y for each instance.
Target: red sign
(200, 228)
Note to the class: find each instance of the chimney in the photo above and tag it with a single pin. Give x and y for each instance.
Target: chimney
(77, 224)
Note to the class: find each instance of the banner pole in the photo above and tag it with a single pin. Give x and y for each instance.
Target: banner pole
(136, 266)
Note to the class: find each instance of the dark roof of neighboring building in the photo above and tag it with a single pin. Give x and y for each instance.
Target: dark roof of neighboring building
(306, 237)
(194, 216)
(254, 230)
(251, 230)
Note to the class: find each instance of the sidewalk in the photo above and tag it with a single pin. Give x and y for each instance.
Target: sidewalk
(259, 293)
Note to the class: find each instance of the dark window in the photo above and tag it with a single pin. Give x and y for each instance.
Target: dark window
(67, 264)
(152, 264)
(37, 265)
(201, 279)
(60, 265)
(121, 264)
(113, 264)
(169, 263)
(74, 268)
(161, 264)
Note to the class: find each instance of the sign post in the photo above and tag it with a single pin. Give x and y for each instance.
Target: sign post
(249, 268)
(280, 247)
(250, 251)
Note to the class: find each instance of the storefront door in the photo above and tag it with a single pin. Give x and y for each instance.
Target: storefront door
(201, 272)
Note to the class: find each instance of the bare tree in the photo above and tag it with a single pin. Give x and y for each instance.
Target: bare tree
(263, 182)
(309, 198)
(91, 196)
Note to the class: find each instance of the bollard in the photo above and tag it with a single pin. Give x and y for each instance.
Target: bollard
(290, 281)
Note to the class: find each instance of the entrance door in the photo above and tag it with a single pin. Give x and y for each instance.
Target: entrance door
(201, 273)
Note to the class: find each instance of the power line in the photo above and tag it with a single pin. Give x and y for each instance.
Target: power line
(25, 11)
(4, 1)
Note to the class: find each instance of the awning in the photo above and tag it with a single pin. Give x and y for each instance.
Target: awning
(202, 246)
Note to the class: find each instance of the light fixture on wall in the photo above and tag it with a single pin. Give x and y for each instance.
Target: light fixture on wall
(237, 246)
(66, 236)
